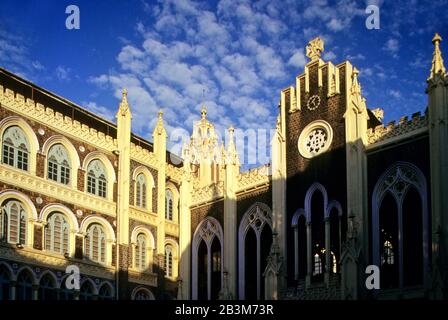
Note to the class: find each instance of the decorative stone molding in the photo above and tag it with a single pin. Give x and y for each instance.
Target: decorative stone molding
(142, 216)
(392, 130)
(253, 178)
(146, 278)
(143, 156)
(46, 115)
(46, 259)
(207, 193)
(26, 181)
(171, 228)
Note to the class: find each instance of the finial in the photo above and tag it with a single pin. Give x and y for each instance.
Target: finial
(437, 38)
(231, 129)
(124, 106)
(314, 49)
(160, 114)
(203, 111)
(437, 66)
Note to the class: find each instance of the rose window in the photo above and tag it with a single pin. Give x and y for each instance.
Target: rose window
(315, 139)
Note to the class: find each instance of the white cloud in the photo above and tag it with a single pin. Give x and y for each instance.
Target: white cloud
(392, 46)
(297, 59)
(395, 94)
(329, 56)
(99, 110)
(63, 73)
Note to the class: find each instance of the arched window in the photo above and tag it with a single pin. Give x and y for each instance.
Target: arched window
(13, 223)
(15, 148)
(4, 283)
(140, 252)
(57, 234)
(168, 261)
(400, 227)
(97, 178)
(64, 293)
(140, 186)
(143, 294)
(95, 243)
(317, 264)
(86, 291)
(58, 164)
(254, 241)
(47, 288)
(24, 287)
(168, 204)
(206, 255)
(105, 292)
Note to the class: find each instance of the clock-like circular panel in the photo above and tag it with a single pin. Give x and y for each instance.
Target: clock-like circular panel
(315, 139)
(313, 102)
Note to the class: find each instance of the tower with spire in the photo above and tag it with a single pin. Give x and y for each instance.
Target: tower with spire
(437, 91)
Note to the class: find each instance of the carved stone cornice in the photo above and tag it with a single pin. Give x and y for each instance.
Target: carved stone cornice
(63, 193)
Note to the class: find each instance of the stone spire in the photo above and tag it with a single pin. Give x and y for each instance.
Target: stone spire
(356, 87)
(203, 112)
(124, 106)
(160, 129)
(437, 66)
(232, 153)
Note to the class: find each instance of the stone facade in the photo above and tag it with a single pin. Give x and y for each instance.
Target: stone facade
(343, 191)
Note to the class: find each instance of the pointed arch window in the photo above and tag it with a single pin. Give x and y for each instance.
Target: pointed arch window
(168, 261)
(57, 232)
(97, 178)
(105, 292)
(15, 148)
(86, 292)
(47, 288)
(5, 285)
(24, 287)
(58, 164)
(141, 260)
(400, 226)
(141, 191)
(13, 223)
(168, 204)
(317, 264)
(95, 243)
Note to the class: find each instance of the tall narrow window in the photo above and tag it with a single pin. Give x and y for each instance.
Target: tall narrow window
(13, 225)
(95, 243)
(24, 287)
(168, 261)
(140, 197)
(317, 265)
(97, 179)
(105, 292)
(57, 234)
(140, 252)
(47, 288)
(15, 148)
(58, 164)
(168, 205)
(86, 291)
(4, 284)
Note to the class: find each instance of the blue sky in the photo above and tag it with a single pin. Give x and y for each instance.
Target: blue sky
(242, 53)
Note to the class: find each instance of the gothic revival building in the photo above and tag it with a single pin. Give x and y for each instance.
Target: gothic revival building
(342, 192)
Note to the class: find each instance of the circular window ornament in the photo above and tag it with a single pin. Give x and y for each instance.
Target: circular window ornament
(315, 139)
(313, 102)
